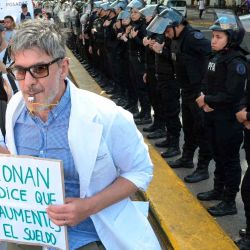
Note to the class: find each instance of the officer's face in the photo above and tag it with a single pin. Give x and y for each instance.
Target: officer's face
(125, 22)
(169, 33)
(219, 40)
(135, 14)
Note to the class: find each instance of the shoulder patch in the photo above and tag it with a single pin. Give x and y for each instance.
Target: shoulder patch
(241, 69)
(198, 35)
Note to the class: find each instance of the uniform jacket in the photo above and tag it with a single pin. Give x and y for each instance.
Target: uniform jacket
(105, 144)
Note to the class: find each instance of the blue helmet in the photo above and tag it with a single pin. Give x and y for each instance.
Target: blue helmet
(119, 4)
(136, 4)
(231, 25)
(105, 6)
(97, 4)
(152, 9)
(167, 18)
(125, 14)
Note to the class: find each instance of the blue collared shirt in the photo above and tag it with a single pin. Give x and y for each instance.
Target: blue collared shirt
(50, 140)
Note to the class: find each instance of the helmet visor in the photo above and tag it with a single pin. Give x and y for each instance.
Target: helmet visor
(159, 24)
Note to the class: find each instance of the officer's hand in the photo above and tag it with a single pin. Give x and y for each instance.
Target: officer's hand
(119, 35)
(90, 50)
(86, 36)
(117, 25)
(247, 124)
(124, 38)
(133, 33)
(241, 115)
(93, 31)
(145, 77)
(128, 29)
(72, 212)
(201, 101)
(157, 47)
(106, 23)
(145, 41)
(207, 109)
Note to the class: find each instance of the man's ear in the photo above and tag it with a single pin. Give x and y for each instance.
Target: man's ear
(65, 67)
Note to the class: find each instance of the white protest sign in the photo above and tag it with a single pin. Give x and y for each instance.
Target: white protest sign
(13, 8)
(27, 186)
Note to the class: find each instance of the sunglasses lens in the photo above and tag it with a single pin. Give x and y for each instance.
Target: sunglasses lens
(39, 71)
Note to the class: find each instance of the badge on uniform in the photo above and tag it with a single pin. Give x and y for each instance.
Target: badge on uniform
(241, 69)
(198, 35)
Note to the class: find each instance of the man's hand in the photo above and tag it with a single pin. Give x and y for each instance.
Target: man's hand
(242, 115)
(207, 109)
(71, 213)
(246, 124)
(2, 67)
(4, 150)
(201, 101)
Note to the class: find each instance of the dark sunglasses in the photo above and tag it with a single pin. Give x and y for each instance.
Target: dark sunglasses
(37, 71)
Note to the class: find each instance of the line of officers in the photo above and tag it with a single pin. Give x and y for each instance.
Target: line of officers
(150, 57)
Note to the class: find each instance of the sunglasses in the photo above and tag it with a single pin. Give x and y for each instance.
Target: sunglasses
(37, 71)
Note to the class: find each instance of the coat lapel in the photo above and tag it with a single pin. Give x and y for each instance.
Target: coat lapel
(84, 137)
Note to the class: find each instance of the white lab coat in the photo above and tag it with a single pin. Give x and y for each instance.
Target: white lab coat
(105, 144)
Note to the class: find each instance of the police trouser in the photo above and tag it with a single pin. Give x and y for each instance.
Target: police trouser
(137, 71)
(155, 101)
(121, 69)
(194, 131)
(225, 135)
(169, 96)
(245, 187)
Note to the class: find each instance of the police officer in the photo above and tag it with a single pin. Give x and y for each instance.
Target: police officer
(157, 128)
(190, 50)
(226, 78)
(137, 60)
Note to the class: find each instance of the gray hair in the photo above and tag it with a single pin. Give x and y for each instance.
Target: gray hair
(39, 34)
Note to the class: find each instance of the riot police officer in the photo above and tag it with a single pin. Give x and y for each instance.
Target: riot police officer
(157, 128)
(190, 50)
(137, 60)
(226, 78)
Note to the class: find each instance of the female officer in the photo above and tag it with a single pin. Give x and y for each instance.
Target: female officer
(226, 78)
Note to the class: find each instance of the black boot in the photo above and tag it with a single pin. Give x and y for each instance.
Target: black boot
(162, 144)
(158, 133)
(173, 149)
(223, 208)
(146, 119)
(150, 128)
(197, 175)
(210, 195)
(186, 161)
(242, 232)
(244, 243)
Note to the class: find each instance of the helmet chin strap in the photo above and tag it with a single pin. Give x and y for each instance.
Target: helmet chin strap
(175, 37)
